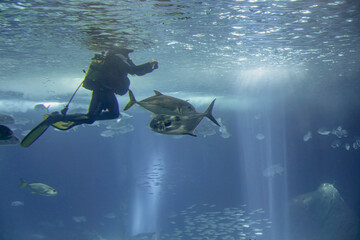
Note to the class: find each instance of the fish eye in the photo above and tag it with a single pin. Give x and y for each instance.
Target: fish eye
(167, 123)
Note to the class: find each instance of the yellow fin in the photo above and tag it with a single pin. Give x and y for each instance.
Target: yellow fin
(63, 125)
(35, 133)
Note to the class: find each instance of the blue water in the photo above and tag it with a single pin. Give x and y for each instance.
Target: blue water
(278, 70)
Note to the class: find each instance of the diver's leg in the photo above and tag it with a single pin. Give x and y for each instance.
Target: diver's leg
(78, 118)
(64, 122)
(95, 106)
(93, 112)
(100, 100)
(95, 103)
(110, 103)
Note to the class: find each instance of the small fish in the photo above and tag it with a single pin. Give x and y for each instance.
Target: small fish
(336, 144)
(223, 129)
(37, 236)
(110, 216)
(39, 188)
(207, 130)
(260, 136)
(166, 105)
(307, 136)
(41, 107)
(125, 128)
(21, 121)
(347, 146)
(6, 119)
(79, 219)
(108, 133)
(11, 141)
(273, 170)
(323, 131)
(17, 204)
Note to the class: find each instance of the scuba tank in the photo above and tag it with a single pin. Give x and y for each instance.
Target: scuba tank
(108, 71)
(94, 71)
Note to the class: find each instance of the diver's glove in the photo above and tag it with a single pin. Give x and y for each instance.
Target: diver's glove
(154, 64)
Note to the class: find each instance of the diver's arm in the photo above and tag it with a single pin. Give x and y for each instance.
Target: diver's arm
(143, 68)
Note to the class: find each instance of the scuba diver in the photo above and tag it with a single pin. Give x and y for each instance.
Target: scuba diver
(106, 76)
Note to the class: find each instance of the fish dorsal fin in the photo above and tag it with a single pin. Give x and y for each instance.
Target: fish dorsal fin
(157, 93)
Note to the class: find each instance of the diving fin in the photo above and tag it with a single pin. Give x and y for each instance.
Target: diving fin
(63, 125)
(35, 133)
(66, 125)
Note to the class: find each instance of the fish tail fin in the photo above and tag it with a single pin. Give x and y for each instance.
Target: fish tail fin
(22, 183)
(131, 102)
(208, 113)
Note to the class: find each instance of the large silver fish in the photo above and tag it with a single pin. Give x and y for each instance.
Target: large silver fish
(162, 104)
(166, 105)
(178, 125)
(39, 188)
(175, 125)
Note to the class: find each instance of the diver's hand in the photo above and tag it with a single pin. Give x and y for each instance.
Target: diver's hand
(154, 64)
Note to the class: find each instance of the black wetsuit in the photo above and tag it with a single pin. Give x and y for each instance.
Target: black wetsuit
(111, 80)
